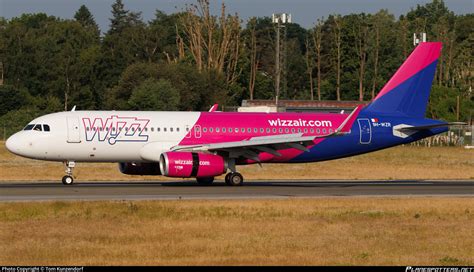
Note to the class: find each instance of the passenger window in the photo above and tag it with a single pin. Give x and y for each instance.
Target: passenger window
(242, 130)
(177, 129)
(46, 128)
(305, 130)
(293, 130)
(87, 128)
(217, 130)
(255, 130)
(268, 130)
(204, 129)
(223, 130)
(164, 129)
(236, 130)
(171, 129)
(152, 129)
(249, 130)
(274, 130)
(312, 130)
(230, 129)
(29, 127)
(280, 130)
(261, 130)
(37, 128)
(330, 130)
(299, 130)
(318, 131)
(157, 129)
(324, 130)
(287, 130)
(211, 129)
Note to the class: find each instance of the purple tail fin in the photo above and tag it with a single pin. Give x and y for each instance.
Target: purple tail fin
(407, 92)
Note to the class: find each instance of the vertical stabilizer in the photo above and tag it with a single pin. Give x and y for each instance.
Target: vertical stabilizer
(407, 92)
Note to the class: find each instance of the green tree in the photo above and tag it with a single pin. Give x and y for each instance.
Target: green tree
(16, 120)
(443, 104)
(156, 95)
(85, 18)
(120, 46)
(12, 98)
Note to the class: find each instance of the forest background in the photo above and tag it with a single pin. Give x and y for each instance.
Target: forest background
(191, 59)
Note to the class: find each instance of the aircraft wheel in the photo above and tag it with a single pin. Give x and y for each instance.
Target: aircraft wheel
(67, 180)
(235, 179)
(205, 181)
(227, 178)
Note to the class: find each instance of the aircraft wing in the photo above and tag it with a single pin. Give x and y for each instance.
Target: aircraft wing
(251, 147)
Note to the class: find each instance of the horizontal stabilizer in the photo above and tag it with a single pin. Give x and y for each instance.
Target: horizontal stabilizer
(418, 128)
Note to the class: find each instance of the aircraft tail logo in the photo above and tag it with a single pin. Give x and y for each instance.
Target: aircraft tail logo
(407, 92)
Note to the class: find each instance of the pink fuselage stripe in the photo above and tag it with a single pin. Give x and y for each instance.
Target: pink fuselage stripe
(271, 123)
(423, 55)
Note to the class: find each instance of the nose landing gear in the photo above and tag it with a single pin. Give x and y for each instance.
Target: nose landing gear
(68, 179)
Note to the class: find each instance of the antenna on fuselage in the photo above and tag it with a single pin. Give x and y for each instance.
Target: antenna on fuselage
(73, 108)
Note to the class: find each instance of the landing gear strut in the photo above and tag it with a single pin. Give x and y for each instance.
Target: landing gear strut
(234, 179)
(68, 179)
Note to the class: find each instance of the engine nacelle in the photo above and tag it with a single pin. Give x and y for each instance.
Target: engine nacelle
(144, 169)
(190, 164)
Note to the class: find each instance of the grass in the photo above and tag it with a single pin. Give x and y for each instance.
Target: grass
(322, 231)
(403, 162)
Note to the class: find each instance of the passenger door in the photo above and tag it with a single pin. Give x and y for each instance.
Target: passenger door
(73, 131)
(365, 131)
(197, 131)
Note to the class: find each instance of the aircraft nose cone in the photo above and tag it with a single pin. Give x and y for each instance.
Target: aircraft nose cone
(12, 144)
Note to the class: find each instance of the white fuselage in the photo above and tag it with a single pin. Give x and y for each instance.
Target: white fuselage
(101, 135)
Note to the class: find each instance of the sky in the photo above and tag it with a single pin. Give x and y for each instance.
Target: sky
(304, 12)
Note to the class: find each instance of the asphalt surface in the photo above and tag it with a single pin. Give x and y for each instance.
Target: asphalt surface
(16, 191)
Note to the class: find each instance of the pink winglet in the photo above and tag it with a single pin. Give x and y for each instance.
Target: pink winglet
(423, 55)
(345, 127)
(214, 108)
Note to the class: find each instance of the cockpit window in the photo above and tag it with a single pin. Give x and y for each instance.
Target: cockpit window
(46, 127)
(29, 127)
(38, 128)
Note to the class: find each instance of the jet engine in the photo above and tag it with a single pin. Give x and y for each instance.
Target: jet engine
(191, 164)
(144, 169)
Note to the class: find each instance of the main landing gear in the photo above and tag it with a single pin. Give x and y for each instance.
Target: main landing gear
(231, 179)
(68, 179)
(234, 179)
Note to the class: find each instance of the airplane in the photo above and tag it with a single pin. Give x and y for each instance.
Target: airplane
(204, 145)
